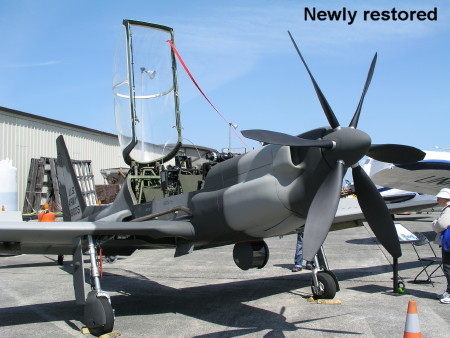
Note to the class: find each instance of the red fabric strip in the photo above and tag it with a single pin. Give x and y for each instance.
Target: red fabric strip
(201, 91)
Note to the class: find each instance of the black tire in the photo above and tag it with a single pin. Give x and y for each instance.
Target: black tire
(329, 286)
(109, 318)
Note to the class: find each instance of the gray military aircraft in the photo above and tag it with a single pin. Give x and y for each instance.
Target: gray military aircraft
(290, 182)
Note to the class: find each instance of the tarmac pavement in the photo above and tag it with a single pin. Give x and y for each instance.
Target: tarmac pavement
(205, 295)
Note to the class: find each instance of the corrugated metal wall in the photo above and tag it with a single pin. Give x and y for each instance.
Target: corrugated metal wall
(24, 136)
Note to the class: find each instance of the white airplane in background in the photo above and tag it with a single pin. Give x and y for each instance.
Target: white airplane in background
(425, 177)
(404, 188)
(413, 182)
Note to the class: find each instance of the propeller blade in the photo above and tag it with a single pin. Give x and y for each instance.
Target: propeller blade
(376, 212)
(273, 137)
(322, 212)
(323, 101)
(355, 119)
(395, 153)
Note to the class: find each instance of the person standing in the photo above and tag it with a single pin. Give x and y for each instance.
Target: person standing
(298, 259)
(439, 226)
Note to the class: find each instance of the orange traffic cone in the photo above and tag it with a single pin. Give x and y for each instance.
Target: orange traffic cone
(412, 327)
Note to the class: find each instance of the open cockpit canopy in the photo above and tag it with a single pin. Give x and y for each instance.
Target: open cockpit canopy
(146, 94)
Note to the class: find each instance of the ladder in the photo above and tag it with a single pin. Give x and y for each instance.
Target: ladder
(85, 179)
(42, 184)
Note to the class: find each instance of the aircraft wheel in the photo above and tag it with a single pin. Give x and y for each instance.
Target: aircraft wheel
(98, 314)
(327, 285)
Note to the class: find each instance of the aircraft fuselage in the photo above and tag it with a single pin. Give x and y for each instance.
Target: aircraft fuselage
(266, 192)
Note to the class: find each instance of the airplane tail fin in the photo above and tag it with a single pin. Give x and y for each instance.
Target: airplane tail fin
(73, 203)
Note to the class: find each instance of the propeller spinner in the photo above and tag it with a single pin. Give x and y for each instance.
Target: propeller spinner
(343, 147)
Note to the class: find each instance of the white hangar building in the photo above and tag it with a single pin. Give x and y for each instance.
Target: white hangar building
(25, 136)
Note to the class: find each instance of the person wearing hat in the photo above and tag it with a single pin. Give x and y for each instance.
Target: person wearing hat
(440, 225)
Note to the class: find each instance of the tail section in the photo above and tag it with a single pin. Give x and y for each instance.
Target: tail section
(73, 203)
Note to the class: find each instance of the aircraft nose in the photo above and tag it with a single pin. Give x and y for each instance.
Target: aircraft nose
(351, 145)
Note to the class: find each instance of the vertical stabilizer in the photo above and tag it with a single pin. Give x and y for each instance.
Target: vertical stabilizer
(73, 203)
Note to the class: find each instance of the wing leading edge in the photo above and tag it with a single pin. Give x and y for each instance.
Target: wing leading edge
(61, 234)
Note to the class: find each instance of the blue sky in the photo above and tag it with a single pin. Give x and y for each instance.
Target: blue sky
(56, 61)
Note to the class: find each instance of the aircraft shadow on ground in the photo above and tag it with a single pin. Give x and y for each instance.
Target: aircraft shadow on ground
(363, 241)
(424, 218)
(28, 265)
(351, 273)
(372, 240)
(373, 288)
(52, 261)
(222, 304)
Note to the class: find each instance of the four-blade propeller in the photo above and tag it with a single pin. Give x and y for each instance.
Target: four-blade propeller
(344, 148)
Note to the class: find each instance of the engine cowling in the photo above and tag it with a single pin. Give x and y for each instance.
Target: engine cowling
(248, 255)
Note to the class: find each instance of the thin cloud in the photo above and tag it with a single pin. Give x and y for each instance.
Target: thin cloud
(34, 65)
(230, 42)
(263, 28)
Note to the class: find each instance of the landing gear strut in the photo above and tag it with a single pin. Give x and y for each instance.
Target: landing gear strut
(98, 312)
(324, 283)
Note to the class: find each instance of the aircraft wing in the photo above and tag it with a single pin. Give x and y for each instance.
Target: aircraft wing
(49, 237)
(425, 177)
(349, 210)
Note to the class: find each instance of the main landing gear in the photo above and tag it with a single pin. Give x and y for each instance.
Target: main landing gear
(324, 283)
(98, 312)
